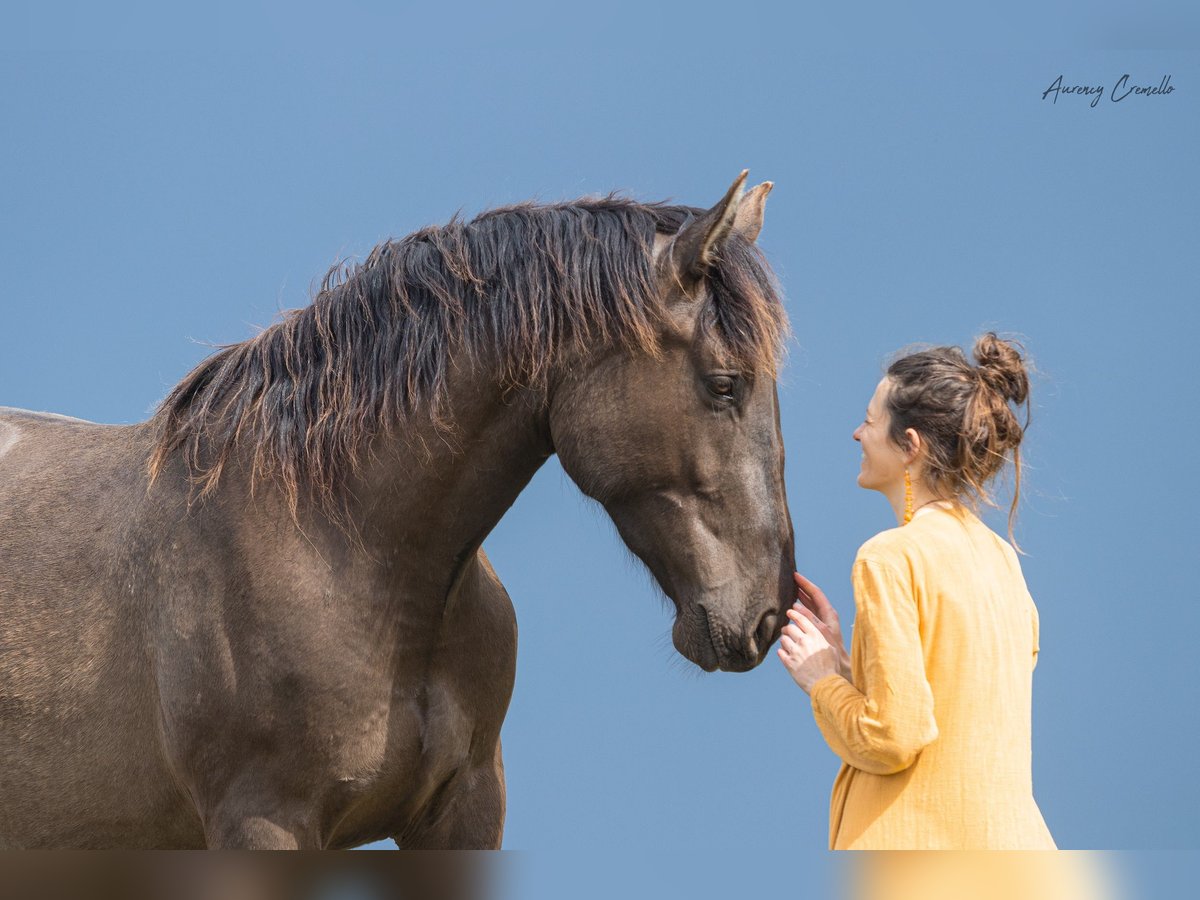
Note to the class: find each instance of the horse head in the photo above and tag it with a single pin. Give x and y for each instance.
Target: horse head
(682, 446)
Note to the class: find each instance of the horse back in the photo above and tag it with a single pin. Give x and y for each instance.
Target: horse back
(65, 486)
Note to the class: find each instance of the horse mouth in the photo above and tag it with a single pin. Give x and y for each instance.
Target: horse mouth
(738, 664)
(703, 647)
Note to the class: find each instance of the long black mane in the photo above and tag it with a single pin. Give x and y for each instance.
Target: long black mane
(526, 283)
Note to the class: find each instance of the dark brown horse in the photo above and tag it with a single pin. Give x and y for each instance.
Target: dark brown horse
(263, 618)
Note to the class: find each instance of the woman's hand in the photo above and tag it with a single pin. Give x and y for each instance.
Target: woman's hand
(806, 653)
(814, 607)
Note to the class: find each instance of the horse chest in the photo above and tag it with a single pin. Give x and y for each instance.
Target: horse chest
(427, 739)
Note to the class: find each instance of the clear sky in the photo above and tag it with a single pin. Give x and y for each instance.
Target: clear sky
(169, 179)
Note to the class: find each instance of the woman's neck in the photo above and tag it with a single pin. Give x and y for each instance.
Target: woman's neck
(922, 502)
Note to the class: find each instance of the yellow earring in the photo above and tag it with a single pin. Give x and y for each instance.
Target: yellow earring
(908, 497)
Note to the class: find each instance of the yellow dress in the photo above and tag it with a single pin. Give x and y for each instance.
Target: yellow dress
(934, 733)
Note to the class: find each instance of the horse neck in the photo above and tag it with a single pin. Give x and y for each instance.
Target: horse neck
(443, 487)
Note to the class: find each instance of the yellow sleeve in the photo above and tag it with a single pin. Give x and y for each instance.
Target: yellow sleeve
(884, 726)
(1036, 628)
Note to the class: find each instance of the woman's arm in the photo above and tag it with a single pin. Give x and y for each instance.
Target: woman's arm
(881, 725)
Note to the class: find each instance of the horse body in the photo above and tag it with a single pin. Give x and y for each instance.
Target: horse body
(246, 668)
(176, 647)
(75, 685)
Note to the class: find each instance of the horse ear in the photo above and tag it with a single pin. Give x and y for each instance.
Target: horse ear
(749, 218)
(697, 241)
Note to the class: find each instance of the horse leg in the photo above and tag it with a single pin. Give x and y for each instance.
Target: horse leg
(466, 813)
(258, 820)
(251, 833)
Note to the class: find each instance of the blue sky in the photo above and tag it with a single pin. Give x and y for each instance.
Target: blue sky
(170, 179)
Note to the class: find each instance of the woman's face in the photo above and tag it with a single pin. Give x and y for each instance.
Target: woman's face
(882, 461)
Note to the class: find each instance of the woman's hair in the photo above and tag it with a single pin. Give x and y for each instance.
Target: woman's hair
(963, 415)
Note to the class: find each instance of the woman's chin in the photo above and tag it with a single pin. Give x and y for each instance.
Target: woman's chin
(865, 483)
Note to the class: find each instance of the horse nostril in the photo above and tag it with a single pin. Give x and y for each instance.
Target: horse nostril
(763, 634)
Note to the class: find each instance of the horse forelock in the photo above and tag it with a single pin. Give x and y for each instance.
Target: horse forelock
(528, 282)
(743, 314)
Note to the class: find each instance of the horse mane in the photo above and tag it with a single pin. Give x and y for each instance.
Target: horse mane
(526, 284)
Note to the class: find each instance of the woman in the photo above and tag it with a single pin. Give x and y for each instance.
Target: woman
(930, 712)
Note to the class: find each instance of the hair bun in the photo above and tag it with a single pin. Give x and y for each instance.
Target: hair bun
(1001, 367)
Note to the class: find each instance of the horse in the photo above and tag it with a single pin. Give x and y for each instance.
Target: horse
(263, 617)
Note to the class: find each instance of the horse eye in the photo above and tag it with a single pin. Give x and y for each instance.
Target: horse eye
(721, 385)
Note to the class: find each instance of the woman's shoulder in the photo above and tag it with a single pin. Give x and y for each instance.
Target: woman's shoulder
(940, 543)
(927, 538)
(892, 545)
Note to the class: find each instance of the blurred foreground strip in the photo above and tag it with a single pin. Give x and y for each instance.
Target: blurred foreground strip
(983, 875)
(249, 875)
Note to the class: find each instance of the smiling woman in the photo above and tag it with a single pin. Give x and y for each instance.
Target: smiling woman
(930, 710)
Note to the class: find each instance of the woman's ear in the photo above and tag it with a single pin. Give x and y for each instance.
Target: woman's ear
(915, 446)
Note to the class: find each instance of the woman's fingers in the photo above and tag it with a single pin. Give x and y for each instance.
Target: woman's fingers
(802, 585)
(826, 628)
(806, 602)
(792, 631)
(807, 587)
(808, 630)
(810, 592)
(804, 615)
(814, 598)
(809, 616)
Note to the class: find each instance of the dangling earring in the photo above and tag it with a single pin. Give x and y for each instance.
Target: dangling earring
(908, 497)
